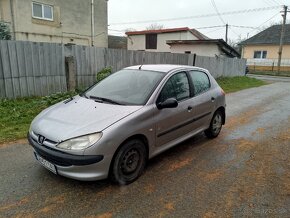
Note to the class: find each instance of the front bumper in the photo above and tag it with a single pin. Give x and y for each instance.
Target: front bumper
(80, 167)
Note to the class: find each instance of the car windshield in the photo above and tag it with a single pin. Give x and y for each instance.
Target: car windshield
(125, 87)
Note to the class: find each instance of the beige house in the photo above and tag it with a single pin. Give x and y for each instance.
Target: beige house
(261, 50)
(62, 21)
(156, 40)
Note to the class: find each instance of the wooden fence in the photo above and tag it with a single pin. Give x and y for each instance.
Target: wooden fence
(39, 69)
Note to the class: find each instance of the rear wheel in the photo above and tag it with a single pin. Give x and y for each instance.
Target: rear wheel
(129, 162)
(215, 125)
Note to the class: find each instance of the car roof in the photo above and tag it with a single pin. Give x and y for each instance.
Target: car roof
(165, 68)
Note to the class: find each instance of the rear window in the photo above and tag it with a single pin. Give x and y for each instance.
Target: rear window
(200, 81)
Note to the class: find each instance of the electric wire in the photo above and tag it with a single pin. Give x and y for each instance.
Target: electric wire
(217, 11)
(201, 15)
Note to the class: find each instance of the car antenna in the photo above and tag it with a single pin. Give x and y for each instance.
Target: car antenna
(140, 67)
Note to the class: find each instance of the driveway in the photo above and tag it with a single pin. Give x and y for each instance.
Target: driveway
(244, 172)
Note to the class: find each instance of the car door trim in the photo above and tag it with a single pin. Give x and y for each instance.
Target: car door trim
(183, 124)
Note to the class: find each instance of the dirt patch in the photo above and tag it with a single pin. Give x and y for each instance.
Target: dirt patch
(241, 119)
(178, 165)
(211, 176)
(13, 205)
(104, 215)
(169, 206)
(6, 144)
(209, 215)
(149, 189)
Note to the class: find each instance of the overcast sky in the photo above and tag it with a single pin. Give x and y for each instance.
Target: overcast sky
(124, 11)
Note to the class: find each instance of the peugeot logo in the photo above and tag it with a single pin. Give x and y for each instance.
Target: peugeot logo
(41, 139)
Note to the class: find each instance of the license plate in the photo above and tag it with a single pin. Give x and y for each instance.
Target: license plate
(45, 163)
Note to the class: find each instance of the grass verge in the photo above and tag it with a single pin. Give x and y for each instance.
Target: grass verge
(234, 84)
(17, 114)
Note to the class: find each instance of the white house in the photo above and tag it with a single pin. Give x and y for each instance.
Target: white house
(179, 40)
(206, 47)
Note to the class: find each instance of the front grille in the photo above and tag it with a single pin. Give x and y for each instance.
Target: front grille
(47, 142)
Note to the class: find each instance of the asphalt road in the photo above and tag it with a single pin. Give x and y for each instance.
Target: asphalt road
(245, 172)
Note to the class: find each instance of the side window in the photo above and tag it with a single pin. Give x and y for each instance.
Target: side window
(176, 87)
(200, 82)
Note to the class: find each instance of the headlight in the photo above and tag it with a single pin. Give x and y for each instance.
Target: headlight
(80, 143)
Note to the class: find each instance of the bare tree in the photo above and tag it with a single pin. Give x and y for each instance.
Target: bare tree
(130, 30)
(155, 26)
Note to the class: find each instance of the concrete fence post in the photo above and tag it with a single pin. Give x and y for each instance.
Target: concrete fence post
(70, 66)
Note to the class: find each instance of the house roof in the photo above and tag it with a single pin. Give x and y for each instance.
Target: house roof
(117, 42)
(172, 30)
(270, 36)
(225, 47)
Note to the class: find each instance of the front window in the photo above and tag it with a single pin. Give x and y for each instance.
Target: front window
(176, 87)
(42, 11)
(260, 54)
(128, 87)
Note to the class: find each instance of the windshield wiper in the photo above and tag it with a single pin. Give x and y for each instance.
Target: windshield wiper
(101, 100)
(83, 95)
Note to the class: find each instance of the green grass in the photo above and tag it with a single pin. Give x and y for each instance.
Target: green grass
(270, 73)
(17, 114)
(234, 84)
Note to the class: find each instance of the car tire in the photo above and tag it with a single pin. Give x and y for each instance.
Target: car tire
(129, 162)
(215, 125)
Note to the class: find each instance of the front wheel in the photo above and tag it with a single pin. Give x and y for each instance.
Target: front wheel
(215, 125)
(129, 162)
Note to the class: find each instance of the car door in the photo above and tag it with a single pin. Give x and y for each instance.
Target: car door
(171, 123)
(203, 101)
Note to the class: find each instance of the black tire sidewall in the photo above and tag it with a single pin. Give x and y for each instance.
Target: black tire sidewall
(116, 174)
(209, 132)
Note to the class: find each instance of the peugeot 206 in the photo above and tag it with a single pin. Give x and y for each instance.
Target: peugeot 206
(112, 129)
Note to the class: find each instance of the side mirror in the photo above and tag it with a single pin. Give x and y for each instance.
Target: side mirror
(168, 103)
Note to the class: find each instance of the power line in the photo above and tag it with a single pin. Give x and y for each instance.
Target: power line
(246, 27)
(202, 15)
(276, 2)
(217, 11)
(234, 32)
(208, 27)
(257, 28)
(215, 30)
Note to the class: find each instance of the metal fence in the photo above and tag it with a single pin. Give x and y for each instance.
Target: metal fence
(39, 69)
(268, 65)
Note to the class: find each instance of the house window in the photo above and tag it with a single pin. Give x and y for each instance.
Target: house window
(260, 54)
(151, 41)
(42, 11)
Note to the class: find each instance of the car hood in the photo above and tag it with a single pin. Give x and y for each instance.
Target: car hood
(78, 117)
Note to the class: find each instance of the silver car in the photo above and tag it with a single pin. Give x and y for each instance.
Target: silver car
(114, 127)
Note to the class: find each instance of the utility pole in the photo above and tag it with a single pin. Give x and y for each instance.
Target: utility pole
(92, 23)
(227, 27)
(284, 15)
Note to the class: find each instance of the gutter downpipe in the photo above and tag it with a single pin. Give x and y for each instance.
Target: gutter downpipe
(12, 20)
(92, 23)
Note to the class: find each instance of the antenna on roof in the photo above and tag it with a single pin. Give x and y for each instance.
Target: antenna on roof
(140, 67)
